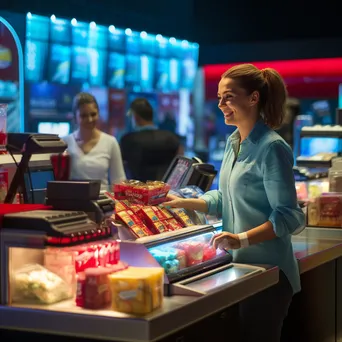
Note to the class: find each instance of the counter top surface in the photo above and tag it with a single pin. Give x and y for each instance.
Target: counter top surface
(316, 246)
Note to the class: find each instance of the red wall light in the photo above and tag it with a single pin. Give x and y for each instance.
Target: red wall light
(305, 78)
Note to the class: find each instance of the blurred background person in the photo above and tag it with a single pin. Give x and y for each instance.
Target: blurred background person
(148, 151)
(94, 154)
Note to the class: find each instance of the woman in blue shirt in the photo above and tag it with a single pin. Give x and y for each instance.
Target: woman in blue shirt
(257, 196)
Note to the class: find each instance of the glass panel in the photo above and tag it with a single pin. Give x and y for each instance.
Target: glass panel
(181, 255)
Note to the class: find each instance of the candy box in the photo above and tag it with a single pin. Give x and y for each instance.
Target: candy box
(173, 224)
(152, 193)
(159, 213)
(137, 290)
(182, 217)
(149, 217)
(166, 212)
(134, 223)
(326, 210)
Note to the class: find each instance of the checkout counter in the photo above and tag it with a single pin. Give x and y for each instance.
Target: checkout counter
(201, 300)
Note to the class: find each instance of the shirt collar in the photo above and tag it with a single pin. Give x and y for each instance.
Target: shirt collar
(253, 136)
(146, 128)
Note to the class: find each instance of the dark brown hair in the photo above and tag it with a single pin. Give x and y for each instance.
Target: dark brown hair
(142, 108)
(81, 99)
(271, 88)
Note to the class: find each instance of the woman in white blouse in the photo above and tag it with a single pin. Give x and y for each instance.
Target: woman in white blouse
(94, 154)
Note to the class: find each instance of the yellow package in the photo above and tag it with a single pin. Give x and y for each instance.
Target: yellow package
(137, 290)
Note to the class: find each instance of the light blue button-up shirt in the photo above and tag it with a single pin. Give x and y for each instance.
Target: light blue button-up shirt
(257, 185)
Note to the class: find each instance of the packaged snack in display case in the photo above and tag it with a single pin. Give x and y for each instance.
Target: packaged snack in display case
(326, 211)
(194, 251)
(35, 283)
(86, 299)
(172, 224)
(134, 223)
(150, 193)
(3, 128)
(137, 290)
(182, 217)
(96, 289)
(3, 184)
(150, 218)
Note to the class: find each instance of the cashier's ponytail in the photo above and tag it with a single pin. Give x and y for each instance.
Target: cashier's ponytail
(271, 88)
(273, 105)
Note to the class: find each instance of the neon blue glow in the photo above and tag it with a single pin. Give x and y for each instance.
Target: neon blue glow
(21, 72)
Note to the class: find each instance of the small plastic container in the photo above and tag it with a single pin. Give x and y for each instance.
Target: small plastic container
(326, 211)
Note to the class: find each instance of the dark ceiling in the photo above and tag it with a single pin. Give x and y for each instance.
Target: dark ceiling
(204, 21)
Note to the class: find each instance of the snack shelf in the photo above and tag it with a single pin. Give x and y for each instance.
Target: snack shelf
(309, 163)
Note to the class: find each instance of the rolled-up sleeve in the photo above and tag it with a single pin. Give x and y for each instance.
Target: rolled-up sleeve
(286, 216)
(213, 199)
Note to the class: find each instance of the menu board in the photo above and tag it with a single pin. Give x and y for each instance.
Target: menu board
(116, 39)
(80, 33)
(97, 66)
(37, 27)
(147, 67)
(36, 53)
(162, 71)
(174, 74)
(60, 31)
(98, 37)
(132, 76)
(116, 70)
(133, 43)
(59, 66)
(79, 64)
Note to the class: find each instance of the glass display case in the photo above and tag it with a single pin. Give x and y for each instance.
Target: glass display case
(192, 266)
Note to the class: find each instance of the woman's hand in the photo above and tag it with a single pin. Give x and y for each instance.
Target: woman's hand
(186, 203)
(173, 202)
(226, 241)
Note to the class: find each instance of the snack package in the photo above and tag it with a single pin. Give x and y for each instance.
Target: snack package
(182, 217)
(150, 193)
(36, 283)
(159, 213)
(120, 206)
(96, 291)
(134, 223)
(166, 213)
(137, 290)
(171, 259)
(3, 184)
(209, 252)
(194, 251)
(149, 217)
(173, 224)
(326, 211)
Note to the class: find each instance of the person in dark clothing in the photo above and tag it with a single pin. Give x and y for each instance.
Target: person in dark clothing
(148, 151)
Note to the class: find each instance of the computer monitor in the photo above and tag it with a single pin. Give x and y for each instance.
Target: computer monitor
(310, 146)
(36, 180)
(177, 172)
